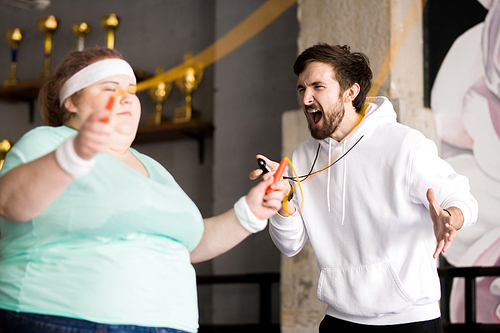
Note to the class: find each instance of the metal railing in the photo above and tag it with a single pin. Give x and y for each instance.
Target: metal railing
(265, 282)
(469, 274)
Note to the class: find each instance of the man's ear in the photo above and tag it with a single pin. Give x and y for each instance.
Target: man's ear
(69, 104)
(351, 93)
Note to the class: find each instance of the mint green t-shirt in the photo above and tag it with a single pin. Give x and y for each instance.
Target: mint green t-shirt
(113, 248)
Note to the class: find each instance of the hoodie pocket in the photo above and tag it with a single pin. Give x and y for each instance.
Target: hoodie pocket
(369, 291)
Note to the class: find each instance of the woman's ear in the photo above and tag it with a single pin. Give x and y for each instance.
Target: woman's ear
(70, 105)
(351, 93)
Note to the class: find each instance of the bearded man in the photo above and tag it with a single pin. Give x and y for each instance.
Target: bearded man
(379, 203)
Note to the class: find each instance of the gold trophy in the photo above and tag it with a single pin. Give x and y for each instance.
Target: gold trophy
(159, 94)
(14, 38)
(110, 23)
(80, 30)
(47, 25)
(187, 84)
(4, 148)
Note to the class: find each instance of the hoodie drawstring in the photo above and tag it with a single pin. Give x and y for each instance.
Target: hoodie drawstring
(344, 172)
(344, 183)
(328, 181)
(344, 176)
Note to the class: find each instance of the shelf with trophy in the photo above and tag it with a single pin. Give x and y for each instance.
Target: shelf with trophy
(4, 148)
(14, 91)
(185, 123)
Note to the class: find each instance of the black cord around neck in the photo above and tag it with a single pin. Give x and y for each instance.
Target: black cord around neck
(294, 179)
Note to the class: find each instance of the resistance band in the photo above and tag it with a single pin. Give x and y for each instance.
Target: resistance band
(292, 188)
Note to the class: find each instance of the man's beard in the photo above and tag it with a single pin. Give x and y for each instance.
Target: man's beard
(331, 122)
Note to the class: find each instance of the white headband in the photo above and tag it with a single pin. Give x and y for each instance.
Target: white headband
(93, 73)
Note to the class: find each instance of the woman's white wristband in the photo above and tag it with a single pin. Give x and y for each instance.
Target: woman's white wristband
(247, 219)
(69, 160)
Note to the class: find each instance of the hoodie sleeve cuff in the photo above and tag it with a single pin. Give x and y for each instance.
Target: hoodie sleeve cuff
(469, 216)
(292, 222)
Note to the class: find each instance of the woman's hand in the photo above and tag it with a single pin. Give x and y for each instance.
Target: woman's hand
(263, 205)
(93, 136)
(278, 186)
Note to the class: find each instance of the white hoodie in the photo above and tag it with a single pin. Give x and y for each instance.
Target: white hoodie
(368, 221)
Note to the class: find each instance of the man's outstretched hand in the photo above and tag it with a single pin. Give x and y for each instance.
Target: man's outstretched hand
(445, 225)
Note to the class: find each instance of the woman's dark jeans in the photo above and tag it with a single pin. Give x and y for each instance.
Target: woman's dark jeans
(13, 322)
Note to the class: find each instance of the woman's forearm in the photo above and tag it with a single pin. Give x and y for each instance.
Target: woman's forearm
(28, 189)
(222, 233)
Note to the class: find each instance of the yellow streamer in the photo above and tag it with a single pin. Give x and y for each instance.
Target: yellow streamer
(255, 23)
(412, 17)
(248, 28)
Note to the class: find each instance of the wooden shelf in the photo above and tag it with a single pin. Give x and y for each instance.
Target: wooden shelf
(21, 92)
(194, 129)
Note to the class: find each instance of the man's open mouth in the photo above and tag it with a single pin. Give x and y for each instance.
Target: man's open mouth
(315, 115)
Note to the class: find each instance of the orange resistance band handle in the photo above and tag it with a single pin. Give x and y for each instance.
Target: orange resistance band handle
(278, 174)
(109, 107)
